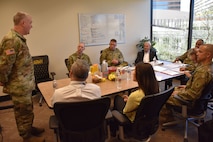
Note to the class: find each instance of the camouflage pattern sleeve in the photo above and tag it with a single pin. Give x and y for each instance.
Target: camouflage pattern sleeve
(183, 57)
(120, 56)
(191, 67)
(7, 59)
(104, 55)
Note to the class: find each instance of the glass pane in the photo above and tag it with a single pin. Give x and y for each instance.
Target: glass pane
(203, 21)
(170, 27)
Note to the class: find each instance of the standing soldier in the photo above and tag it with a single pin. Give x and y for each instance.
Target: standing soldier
(17, 76)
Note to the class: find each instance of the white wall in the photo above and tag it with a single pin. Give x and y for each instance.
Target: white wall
(55, 26)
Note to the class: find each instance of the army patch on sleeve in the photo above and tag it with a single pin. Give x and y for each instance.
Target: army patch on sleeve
(10, 51)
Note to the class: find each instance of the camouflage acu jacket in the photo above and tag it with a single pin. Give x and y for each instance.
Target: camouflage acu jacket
(16, 66)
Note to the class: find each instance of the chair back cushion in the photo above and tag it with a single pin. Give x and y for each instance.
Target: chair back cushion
(82, 121)
(41, 68)
(146, 120)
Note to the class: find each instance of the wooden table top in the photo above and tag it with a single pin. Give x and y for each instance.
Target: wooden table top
(107, 87)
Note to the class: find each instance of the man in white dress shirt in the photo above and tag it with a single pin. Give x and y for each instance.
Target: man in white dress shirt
(78, 89)
(147, 54)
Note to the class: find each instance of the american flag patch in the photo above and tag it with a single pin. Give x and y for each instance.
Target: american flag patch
(10, 51)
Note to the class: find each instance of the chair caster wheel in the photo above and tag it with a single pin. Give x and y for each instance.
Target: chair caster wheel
(185, 140)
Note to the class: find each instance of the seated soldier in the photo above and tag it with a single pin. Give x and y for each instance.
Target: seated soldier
(184, 58)
(196, 83)
(113, 55)
(190, 67)
(78, 55)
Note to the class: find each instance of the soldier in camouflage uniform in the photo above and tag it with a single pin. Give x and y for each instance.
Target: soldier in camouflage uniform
(193, 57)
(191, 65)
(17, 76)
(202, 75)
(184, 58)
(78, 55)
(113, 55)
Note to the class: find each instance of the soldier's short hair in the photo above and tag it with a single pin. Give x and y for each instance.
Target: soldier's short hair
(18, 17)
(80, 69)
(209, 48)
(113, 40)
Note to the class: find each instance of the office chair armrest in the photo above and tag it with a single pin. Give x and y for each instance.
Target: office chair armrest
(184, 102)
(53, 74)
(53, 122)
(121, 118)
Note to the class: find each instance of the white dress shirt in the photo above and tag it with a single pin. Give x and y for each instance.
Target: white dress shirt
(76, 91)
(146, 57)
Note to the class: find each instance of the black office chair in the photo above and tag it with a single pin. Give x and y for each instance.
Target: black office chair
(210, 105)
(80, 121)
(66, 63)
(41, 72)
(191, 113)
(146, 121)
(5, 98)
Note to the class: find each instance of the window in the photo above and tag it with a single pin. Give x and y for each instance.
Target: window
(203, 21)
(170, 27)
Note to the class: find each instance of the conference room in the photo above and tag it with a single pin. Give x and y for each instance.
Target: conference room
(57, 30)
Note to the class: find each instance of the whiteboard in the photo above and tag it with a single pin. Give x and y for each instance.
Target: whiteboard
(98, 29)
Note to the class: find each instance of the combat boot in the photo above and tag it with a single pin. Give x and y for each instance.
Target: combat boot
(35, 131)
(33, 139)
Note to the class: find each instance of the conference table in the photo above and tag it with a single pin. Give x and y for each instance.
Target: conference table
(163, 70)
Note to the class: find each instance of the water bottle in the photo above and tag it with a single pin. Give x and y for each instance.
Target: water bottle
(118, 79)
(104, 69)
(54, 84)
(128, 73)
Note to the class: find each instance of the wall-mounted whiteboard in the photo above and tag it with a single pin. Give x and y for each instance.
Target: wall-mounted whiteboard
(98, 29)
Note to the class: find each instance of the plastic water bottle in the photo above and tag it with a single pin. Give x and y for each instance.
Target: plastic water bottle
(104, 69)
(128, 73)
(118, 79)
(54, 84)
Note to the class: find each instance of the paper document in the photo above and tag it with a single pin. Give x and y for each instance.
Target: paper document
(159, 68)
(132, 68)
(159, 78)
(170, 72)
(174, 65)
(155, 63)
